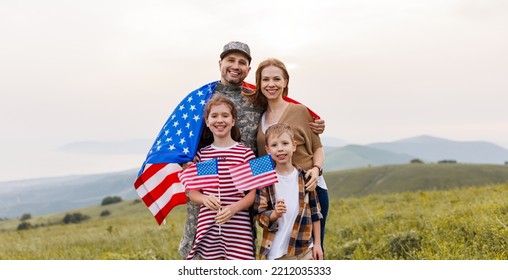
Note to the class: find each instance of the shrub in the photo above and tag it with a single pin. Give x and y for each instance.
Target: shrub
(24, 226)
(110, 200)
(74, 218)
(105, 213)
(447, 161)
(416, 160)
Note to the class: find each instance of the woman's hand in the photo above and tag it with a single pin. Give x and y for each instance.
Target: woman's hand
(317, 126)
(312, 179)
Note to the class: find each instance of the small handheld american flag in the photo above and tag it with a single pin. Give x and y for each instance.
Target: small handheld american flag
(200, 175)
(254, 174)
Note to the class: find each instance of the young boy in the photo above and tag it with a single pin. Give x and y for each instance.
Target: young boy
(289, 215)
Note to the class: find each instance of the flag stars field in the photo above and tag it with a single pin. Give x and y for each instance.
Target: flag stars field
(157, 182)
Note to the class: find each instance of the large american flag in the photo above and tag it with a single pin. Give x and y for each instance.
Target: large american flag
(157, 183)
(201, 175)
(254, 174)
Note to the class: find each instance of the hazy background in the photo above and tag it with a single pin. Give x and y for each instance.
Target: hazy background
(111, 71)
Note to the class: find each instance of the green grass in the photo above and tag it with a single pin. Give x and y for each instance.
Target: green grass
(457, 224)
(130, 232)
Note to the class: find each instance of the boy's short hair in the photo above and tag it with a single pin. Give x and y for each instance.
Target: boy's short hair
(277, 130)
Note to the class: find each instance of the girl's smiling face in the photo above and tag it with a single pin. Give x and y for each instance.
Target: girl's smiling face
(220, 121)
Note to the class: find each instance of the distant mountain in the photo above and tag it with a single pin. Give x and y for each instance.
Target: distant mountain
(433, 149)
(427, 148)
(59, 194)
(133, 146)
(354, 156)
(332, 142)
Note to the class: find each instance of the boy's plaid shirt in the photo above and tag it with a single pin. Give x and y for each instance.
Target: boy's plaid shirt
(301, 235)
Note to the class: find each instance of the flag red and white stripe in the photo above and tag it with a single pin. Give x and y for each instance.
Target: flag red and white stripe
(160, 189)
(200, 175)
(254, 174)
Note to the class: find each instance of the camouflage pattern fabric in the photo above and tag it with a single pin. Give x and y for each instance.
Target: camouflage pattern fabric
(189, 230)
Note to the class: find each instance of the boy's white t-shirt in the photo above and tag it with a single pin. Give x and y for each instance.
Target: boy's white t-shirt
(287, 189)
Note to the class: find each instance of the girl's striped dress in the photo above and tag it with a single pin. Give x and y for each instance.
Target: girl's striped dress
(234, 239)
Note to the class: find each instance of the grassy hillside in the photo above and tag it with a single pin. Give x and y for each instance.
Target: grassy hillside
(457, 224)
(412, 177)
(468, 223)
(130, 232)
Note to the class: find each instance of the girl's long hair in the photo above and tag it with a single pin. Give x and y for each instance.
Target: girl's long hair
(217, 99)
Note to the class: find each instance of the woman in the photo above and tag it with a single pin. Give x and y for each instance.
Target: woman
(272, 79)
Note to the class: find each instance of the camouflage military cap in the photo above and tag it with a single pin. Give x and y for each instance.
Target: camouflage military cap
(235, 46)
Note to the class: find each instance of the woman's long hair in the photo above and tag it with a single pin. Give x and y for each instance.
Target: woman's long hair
(258, 96)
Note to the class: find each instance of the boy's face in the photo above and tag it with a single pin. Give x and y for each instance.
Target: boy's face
(281, 148)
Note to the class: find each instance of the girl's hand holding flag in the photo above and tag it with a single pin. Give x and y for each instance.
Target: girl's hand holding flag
(211, 202)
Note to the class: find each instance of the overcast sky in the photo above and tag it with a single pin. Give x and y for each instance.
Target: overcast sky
(113, 70)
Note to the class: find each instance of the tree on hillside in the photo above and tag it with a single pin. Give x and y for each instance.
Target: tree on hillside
(24, 226)
(110, 200)
(447, 161)
(74, 218)
(26, 216)
(416, 160)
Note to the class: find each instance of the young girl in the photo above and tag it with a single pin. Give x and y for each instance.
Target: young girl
(287, 212)
(224, 229)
